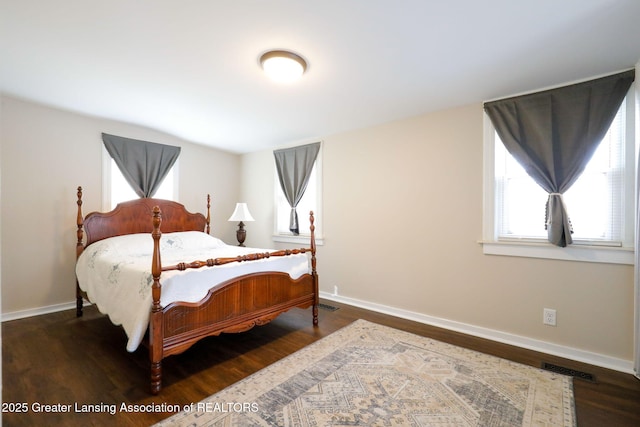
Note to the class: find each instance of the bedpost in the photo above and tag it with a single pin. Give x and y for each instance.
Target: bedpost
(314, 273)
(79, 249)
(208, 213)
(155, 324)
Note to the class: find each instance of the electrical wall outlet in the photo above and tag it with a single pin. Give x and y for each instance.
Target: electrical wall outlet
(549, 316)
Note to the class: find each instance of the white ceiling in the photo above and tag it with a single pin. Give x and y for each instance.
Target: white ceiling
(190, 68)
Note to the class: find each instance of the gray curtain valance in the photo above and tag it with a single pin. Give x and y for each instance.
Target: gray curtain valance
(553, 135)
(144, 164)
(294, 166)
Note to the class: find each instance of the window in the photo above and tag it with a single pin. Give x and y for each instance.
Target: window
(311, 201)
(116, 189)
(600, 203)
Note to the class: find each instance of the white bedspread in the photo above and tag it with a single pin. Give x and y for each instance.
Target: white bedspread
(116, 274)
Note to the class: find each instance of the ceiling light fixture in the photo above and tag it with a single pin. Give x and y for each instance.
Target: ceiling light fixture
(283, 66)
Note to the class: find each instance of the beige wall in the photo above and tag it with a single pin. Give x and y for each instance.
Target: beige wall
(46, 154)
(402, 218)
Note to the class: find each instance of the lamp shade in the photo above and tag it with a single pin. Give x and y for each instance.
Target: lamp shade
(241, 213)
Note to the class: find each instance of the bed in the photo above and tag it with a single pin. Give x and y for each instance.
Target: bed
(204, 287)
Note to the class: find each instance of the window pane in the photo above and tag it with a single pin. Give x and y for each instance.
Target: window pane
(524, 209)
(166, 188)
(121, 191)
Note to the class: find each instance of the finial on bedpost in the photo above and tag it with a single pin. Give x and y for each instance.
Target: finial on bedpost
(80, 224)
(208, 214)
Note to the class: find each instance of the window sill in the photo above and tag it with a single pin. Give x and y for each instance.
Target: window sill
(301, 239)
(581, 253)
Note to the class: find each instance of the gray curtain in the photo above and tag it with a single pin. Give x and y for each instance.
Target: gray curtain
(553, 135)
(144, 164)
(294, 167)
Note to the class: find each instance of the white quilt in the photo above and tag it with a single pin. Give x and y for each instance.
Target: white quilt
(116, 274)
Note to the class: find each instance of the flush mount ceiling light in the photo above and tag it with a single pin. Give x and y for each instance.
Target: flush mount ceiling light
(283, 66)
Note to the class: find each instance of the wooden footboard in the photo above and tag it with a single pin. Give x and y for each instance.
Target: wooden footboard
(234, 306)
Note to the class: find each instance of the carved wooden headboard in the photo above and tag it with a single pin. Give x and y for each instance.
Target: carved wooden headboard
(136, 216)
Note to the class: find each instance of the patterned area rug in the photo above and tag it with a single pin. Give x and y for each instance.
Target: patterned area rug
(371, 375)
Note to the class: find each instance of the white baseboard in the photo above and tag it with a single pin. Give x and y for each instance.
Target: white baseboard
(596, 359)
(15, 315)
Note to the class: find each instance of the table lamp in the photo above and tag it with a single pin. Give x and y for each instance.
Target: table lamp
(241, 214)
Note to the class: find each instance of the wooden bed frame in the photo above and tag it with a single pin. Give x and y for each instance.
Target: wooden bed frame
(233, 306)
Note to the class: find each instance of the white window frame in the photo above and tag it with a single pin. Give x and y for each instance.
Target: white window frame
(303, 237)
(587, 251)
(108, 170)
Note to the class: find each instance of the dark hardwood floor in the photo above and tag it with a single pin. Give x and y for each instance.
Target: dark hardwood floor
(58, 359)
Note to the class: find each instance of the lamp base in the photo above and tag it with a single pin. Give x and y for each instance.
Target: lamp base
(241, 234)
